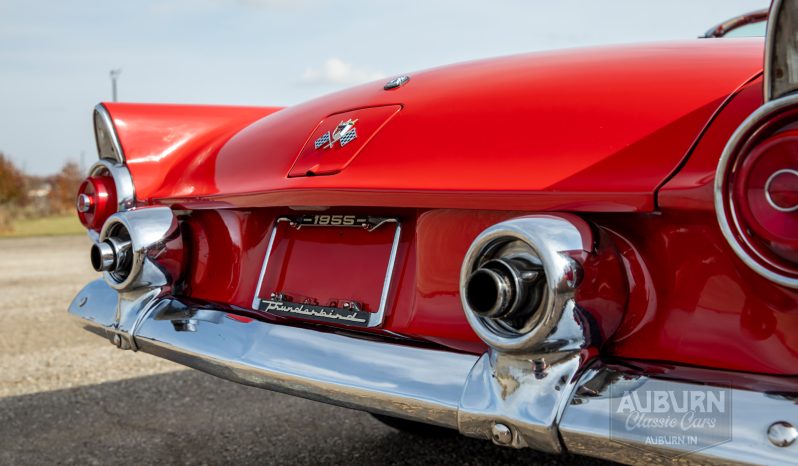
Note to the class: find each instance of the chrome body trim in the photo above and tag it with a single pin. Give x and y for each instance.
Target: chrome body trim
(545, 240)
(782, 434)
(449, 389)
(375, 318)
(729, 25)
(525, 380)
(767, 190)
(746, 128)
(125, 191)
(83, 203)
(397, 380)
(585, 424)
(103, 121)
(526, 393)
(152, 230)
(781, 50)
(396, 82)
(256, 300)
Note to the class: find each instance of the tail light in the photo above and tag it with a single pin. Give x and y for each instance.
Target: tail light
(109, 187)
(96, 201)
(756, 191)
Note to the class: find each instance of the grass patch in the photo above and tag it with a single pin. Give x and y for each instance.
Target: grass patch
(45, 226)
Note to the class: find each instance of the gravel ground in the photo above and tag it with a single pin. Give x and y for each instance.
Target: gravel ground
(67, 396)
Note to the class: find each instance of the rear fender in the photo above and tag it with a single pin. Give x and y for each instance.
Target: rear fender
(161, 143)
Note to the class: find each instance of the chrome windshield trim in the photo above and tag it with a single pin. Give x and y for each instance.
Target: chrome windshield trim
(731, 24)
(101, 113)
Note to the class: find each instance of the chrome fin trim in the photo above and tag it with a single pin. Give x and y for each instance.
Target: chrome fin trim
(104, 122)
(781, 50)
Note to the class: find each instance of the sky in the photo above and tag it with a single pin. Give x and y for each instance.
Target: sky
(55, 56)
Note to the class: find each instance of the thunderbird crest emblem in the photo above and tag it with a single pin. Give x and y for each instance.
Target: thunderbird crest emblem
(343, 134)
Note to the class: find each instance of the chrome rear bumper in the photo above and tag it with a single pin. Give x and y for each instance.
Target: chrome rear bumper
(444, 388)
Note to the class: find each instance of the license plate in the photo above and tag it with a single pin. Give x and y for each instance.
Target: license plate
(329, 268)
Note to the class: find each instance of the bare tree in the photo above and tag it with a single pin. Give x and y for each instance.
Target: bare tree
(65, 187)
(12, 182)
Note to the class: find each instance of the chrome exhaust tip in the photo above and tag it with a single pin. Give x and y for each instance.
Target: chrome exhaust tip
(519, 276)
(112, 254)
(102, 256)
(139, 248)
(505, 289)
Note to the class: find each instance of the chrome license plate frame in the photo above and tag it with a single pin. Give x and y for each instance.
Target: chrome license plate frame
(350, 314)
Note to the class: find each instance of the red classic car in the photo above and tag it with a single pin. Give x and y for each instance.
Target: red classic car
(592, 251)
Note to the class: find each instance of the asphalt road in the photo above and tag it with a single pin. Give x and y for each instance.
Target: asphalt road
(67, 396)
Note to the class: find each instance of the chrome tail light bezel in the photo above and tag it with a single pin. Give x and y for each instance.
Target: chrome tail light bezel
(111, 163)
(108, 145)
(730, 224)
(125, 191)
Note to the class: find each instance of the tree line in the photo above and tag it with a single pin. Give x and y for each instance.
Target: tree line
(27, 196)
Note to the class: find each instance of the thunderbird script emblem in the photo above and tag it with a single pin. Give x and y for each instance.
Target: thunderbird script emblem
(343, 134)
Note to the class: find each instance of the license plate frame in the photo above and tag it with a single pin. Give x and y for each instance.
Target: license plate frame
(349, 314)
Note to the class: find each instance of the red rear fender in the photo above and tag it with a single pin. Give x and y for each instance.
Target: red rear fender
(162, 143)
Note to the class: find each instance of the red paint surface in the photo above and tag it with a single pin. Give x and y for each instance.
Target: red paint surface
(684, 296)
(174, 147)
(691, 188)
(694, 302)
(773, 230)
(689, 299)
(578, 131)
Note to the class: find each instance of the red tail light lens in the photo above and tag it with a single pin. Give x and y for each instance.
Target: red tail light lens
(756, 191)
(764, 179)
(96, 201)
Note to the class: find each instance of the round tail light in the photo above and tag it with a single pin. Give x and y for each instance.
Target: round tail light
(756, 191)
(96, 201)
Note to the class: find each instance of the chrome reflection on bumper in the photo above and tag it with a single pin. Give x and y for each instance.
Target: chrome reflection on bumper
(397, 380)
(586, 429)
(448, 389)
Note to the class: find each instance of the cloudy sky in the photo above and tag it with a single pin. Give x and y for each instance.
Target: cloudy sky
(55, 55)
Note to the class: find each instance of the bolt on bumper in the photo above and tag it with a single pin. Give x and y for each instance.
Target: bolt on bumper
(461, 391)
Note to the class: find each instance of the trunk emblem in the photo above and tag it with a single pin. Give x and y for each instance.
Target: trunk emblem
(396, 82)
(344, 133)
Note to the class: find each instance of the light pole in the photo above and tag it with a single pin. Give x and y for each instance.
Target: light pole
(114, 75)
